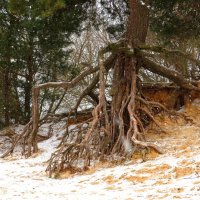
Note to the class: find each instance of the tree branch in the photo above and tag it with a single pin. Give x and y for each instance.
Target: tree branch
(87, 91)
(168, 73)
(68, 85)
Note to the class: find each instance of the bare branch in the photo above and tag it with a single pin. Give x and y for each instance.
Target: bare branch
(170, 74)
(87, 91)
(68, 85)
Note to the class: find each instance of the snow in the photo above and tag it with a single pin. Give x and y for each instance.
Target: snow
(173, 175)
(25, 179)
(196, 102)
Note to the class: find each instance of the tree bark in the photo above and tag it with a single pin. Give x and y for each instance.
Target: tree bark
(126, 68)
(6, 93)
(28, 86)
(168, 73)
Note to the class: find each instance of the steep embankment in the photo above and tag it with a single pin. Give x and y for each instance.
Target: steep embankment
(173, 175)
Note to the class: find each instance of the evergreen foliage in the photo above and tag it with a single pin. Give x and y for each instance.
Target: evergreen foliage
(34, 48)
(176, 18)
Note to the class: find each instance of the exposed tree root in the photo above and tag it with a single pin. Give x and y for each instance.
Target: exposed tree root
(118, 131)
(7, 132)
(170, 74)
(23, 137)
(17, 138)
(98, 141)
(83, 147)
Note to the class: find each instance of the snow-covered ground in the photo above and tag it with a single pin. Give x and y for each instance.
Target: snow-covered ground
(173, 175)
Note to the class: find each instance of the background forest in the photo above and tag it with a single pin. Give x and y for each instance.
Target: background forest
(44, 41)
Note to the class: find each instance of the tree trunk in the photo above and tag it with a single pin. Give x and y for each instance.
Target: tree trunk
(126, 68)
(6, 93)
(28, 88)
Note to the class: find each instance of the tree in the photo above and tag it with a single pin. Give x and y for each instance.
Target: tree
(117, 126)
(35, 39)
